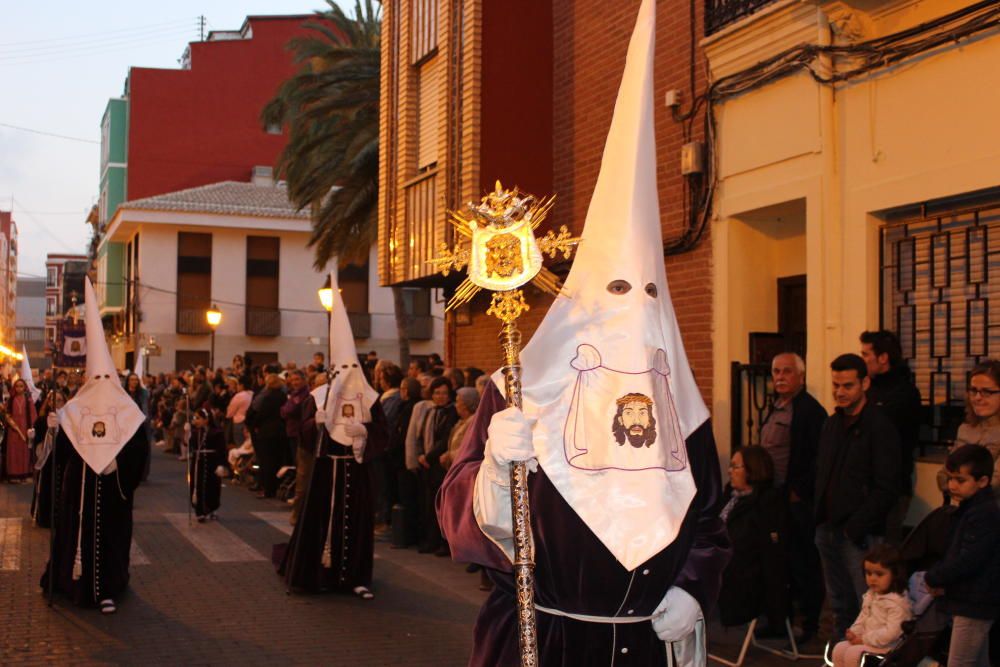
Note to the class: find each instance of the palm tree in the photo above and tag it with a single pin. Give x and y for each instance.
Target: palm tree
(331, 109)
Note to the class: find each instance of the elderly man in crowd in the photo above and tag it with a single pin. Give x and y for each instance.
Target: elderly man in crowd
(790, 434)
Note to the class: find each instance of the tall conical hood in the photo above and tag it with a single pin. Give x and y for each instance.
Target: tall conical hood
(351, 397)
(101, 418)
(605, 374)
(98, 355)
(34, 391)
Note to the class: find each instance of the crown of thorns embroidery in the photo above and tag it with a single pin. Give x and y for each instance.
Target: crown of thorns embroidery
(634, 398)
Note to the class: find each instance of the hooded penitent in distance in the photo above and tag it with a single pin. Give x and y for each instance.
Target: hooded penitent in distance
(351, 396)
(101, 418)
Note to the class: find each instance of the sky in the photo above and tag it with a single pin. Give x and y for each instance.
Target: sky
(60, 62)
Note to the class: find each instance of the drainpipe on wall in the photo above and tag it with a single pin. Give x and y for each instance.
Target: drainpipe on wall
(832, 266)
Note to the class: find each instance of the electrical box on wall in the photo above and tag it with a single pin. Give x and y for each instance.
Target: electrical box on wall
(672, 98)
(692, 158)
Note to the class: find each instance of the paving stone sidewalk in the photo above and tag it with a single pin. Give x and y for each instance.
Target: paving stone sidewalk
(183, 609)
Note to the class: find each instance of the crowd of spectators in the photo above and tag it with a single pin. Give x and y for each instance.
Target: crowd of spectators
(266, 412)
(816, 509)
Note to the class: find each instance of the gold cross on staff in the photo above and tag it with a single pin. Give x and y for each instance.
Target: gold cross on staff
(497, 242)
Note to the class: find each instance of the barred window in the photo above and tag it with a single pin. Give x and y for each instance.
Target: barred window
(941, 294)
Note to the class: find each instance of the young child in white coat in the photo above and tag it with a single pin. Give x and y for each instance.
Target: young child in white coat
(884, 608)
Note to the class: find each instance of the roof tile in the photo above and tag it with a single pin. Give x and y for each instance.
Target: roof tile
(227, 197)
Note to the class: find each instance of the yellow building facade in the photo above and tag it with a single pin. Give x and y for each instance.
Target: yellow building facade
(880, 187)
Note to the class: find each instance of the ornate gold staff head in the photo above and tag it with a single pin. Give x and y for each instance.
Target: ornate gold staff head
(497, 242)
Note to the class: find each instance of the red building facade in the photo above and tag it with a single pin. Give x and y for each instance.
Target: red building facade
(536, 116)
(201, 124)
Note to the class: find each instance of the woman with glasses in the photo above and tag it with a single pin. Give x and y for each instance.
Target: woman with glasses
(982, 418)
(755, 582)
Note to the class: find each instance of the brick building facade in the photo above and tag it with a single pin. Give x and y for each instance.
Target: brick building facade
(576, 50)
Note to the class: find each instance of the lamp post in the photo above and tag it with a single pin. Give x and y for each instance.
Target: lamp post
(213, 316)
(326, 298)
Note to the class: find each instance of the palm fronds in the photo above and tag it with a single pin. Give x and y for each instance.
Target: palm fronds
(330, 107)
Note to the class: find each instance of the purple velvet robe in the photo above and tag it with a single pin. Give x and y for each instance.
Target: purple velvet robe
(574, 571)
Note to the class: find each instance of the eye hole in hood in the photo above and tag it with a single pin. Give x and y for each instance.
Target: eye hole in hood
(619, 287)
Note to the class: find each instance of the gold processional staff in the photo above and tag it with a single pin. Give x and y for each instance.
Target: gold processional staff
(497, 242)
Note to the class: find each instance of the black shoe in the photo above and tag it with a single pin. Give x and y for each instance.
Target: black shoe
(473, 567)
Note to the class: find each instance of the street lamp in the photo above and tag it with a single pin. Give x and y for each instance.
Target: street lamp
(213, 316)
(326, 298)
(326, 295)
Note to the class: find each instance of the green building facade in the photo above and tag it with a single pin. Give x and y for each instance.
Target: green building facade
(114, 171)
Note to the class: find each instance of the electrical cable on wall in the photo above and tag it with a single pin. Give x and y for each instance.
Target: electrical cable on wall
(863, 58)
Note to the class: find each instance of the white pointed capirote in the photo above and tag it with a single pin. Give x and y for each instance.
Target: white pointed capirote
(352, 397)
(140, 369)
(33, 391)
(605, 375)
(101, 418)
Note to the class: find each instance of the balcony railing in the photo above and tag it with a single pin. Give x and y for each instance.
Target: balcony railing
(720, 13)
(263, 322)
(192, 321)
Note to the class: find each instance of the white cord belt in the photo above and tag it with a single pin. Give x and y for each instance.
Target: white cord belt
(587, 618)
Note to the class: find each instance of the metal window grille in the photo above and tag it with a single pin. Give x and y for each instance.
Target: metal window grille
(720, 13)
(751, 397)
(940, 292)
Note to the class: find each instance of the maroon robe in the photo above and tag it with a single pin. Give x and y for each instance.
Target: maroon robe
(574, 571)
(17, 450)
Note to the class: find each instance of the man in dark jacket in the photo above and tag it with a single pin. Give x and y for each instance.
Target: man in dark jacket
(857, 483)
(300, 427)
(893, 392)
(967, 579)
(790, 433)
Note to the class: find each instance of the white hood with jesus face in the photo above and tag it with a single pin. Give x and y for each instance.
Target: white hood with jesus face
(605, 375)
(101, 418)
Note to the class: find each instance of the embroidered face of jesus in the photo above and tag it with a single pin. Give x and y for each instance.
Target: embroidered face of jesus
(634, 421)
(98, 430)
(347, 411)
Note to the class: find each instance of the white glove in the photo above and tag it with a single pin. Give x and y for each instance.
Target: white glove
(220, 471)
(52, 420)
(510, 439)
(113, 466)
(358, 449)
(676, 616)
(31, 434)
(356, 430)
(187, 428)
(320, 416)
